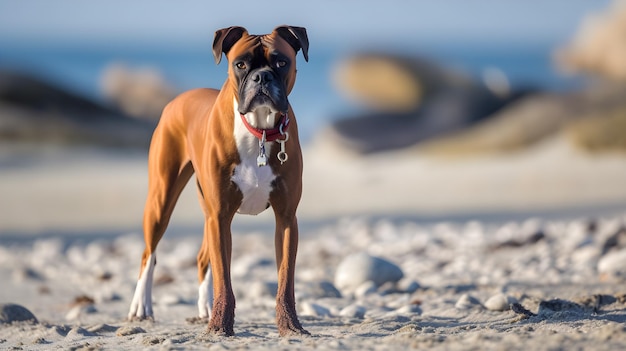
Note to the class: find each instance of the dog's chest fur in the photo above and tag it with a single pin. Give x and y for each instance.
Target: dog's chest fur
(254, 182)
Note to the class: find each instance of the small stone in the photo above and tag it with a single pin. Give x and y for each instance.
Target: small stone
(353, 311)
(129, 330)
(613, 264)
(466, 302)
(318, 290)
(359, 268)
(262, 289)
(79, 310)
(313, 309)
(408, 310)
(170, 300)
(367, 288)
(10, 313)
(408, 286)
(24, 273)
(499, 302)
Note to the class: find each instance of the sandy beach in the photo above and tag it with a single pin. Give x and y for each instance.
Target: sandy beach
(516, 252)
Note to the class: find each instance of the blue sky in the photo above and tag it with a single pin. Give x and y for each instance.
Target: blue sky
(345, 22)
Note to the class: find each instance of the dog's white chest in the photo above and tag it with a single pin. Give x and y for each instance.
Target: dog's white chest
(254, 182)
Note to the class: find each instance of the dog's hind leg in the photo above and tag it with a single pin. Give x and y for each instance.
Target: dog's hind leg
(205, 290)
(169, 170)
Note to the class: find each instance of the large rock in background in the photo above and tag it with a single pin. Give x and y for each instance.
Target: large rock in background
(408, 100)
(412, 103)
(599, 46)
(592, 119)
(139, 92)
(36, 111)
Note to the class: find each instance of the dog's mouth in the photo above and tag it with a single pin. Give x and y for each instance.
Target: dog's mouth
(253, 96)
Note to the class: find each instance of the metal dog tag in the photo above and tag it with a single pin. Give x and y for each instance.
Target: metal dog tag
(261, 160)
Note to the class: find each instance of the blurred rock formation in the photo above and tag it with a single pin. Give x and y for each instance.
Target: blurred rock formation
(409, 100)
(36, 111)
(412, 103)
(590, 118)
(599, 46)
(141, 93)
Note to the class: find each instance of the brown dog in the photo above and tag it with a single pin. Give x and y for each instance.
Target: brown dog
(242, 143)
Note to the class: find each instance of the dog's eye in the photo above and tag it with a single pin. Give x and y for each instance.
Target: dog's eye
(240, 65)
(281, 63)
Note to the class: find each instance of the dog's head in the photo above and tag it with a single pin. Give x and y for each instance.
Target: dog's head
(263, 67)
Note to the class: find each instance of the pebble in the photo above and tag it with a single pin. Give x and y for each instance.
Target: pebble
(466, 302)
(367, 288)
(499, 302)
(313, 309)
(320, 289)
(261, 289)
(353, 311)
(79, 310)
(408, 310)
(359, 268)
(10, 313)
(409, 286)
(170, 300)
(613, 264)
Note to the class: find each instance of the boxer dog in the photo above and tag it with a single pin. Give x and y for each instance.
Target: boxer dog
(242, 144)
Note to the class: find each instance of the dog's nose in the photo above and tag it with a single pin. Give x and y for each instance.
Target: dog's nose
(262, 77)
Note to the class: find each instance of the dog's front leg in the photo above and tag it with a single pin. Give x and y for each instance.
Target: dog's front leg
(286, 242)
(220, 248)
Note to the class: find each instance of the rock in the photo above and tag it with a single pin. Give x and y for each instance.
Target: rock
(499, 302)
(353, 311)
(408, 309)
(367, 288)
(317, 290)
(408, 286)
(613, 265)
(262, 289)
(10, 313)
(79, 310)
(139, 92)
(466, 302)
(25, 273)
(171, 300)
(37, 111)
(598, 46)
(616, 241)
(313, 309)
(359, 268)
(411, 100)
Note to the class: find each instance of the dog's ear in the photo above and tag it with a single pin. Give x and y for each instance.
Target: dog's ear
(296, 37)
(224, 39)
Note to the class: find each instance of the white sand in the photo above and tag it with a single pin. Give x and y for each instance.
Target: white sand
(349, 205)
(81, 191)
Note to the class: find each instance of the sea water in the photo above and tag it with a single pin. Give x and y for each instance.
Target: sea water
(315, 100)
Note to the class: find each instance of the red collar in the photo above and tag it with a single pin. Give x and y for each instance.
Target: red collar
(270, 134)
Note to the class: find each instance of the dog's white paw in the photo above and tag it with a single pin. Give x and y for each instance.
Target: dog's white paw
(205, 295)
(141, 305)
